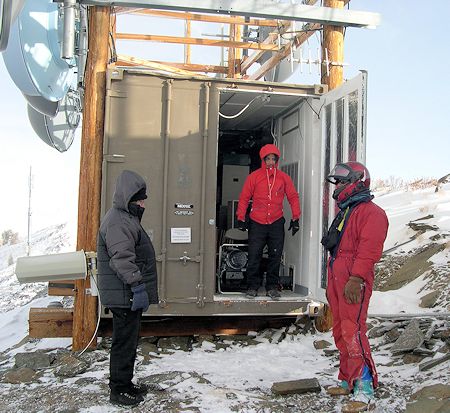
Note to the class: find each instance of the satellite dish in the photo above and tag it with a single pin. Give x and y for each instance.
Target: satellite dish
(33, 55)
(5, 23)
(42, 105)
(59, 131)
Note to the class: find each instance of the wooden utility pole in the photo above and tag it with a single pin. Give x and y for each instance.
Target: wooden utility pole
(333, 44)
(85, 307)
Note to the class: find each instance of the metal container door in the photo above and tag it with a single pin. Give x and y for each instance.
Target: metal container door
(158, 127)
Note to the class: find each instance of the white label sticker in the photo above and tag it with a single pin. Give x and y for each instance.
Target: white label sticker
(180, 235)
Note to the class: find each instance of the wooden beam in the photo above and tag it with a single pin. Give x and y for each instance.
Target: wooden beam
(187, 326)
(195, 41)
(308, 31)
(50, 322)
(134, 61)
(333, 43)
(187, 48)
(61, 288)
(232, 53)
(85, 310)
(57, 322)
(201, 17)
(123, 60)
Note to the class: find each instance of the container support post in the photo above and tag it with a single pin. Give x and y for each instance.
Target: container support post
(165, 135)
(204, 129)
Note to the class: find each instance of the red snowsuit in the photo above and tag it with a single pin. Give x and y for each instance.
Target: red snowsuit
(360, 247)
(268, 209)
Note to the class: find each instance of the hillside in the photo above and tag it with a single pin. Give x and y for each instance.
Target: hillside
(233, 373)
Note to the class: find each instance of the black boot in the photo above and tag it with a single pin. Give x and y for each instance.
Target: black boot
(139, 388)
(125, 399)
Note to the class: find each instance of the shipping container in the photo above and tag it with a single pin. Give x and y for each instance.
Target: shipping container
(194, 140)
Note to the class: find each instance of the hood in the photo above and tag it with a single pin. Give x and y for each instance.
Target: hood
(266, 150)
(127, 184)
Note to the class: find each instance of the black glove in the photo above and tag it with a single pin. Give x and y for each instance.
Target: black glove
(294, 225)
(140, 298)
(242, 225)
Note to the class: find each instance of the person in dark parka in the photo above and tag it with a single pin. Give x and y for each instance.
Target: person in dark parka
(355, 242)
(127, 281)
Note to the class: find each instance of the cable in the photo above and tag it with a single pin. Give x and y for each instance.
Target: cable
(317, 113)
(241, 112)
(98, 318)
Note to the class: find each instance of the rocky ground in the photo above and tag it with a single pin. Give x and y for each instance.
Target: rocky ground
(60, 381)
(412, 357)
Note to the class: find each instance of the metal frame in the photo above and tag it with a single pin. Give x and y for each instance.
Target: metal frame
(264, 9)
(219, 272)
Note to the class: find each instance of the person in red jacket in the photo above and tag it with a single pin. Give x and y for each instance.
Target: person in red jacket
(267, 187)
(355, 243)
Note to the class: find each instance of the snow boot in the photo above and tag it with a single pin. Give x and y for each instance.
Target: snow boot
(125, 399)
(138, 389)
(363, 390)
(273, 294)
(362, 399)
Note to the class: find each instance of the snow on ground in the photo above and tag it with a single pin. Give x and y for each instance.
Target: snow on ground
(239, 377)
(405, 206)
(404, 300)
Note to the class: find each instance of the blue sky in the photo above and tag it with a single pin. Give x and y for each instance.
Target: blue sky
(407, 58)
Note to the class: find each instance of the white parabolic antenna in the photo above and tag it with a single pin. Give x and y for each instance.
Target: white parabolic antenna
(5, 22)
(33, 53)
(46, 107)
(59, 131)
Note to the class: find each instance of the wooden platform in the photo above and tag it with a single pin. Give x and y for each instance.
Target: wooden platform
(58, 322)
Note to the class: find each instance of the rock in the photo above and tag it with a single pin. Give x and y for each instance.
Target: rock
(414, 267)
(411, 338)
(429, 300)
(296, 386)
(430, 364)
(421, 227)
(146, 348)
(70, 367)
(36, 360)
(412, 358)
(21, 375)
(430, 399)
(321, 344)
(331, 352)
(437, 391)
(355, 407)
(166, 344)
(392, 335)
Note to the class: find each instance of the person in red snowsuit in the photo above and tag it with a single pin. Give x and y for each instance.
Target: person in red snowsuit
(267, 187)
(355, 242)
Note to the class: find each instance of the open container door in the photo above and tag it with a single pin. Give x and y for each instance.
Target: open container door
(341, 116)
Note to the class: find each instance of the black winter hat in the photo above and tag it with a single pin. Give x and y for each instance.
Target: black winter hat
(139, 195)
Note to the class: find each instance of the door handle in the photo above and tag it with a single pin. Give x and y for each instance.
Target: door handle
(185, 258)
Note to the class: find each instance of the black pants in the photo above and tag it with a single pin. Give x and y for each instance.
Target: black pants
(259, 236)
(125, 337)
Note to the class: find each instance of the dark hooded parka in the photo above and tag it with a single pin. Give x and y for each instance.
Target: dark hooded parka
(125, 254)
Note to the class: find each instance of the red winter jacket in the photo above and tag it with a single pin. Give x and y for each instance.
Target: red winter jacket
(267, 188)
(362, 242)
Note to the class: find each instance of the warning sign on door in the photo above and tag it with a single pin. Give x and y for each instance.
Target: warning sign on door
(180, 235)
